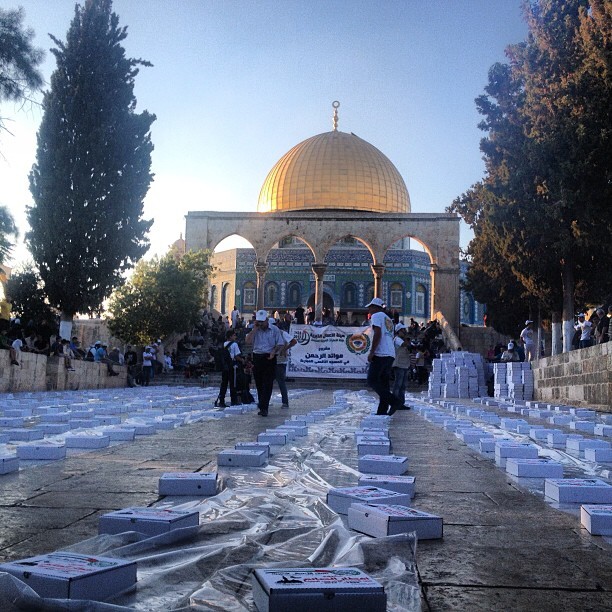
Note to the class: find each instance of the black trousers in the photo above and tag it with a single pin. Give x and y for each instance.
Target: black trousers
(379, 375)
(228, 377)
(264, 372)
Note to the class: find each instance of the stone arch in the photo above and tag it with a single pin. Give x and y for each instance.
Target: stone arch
(438, 233)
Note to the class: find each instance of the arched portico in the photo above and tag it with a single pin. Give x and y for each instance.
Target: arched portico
(321, 229)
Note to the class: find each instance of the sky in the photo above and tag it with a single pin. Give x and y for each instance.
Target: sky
(236, 84)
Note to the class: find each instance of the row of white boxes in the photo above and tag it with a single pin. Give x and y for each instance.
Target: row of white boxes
(380, 504)
(73, 576)
(457, 374)
(521, 459)
(47, 432)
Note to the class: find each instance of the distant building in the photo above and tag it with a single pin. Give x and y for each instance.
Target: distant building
(348, 283)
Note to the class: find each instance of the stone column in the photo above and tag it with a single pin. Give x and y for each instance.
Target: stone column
(318, 270)
(378, 270)
(260, 270)
(445, 294)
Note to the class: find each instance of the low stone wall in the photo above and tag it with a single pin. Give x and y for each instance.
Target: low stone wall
(42, 373)
(29, 375)
(579, 378)
(478, 339)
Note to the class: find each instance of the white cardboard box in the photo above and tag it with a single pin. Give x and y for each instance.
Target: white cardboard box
(24, 435)
(505, 450)
(341, 589)
(603, 455)
(534, 468)
(382, 520)
(257, 446)
(578, 490)
(276, 439)
(340, 499)
(119, 434)
(65, 575)
(87, 441)
(188, 483)
(300, 430)
(383, 464)
(41, 451)
(579, 445)
(597, 519)
(149, 521)
(373, 446)
(8, 464)
(399, 484)
(241, 458)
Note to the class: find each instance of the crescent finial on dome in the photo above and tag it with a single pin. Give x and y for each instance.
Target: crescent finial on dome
(335, 105)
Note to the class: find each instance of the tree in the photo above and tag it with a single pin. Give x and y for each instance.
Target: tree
(163, 296)
(24, 291)
(92, 170)
(19, 60)
(548, 155)
(7, 229)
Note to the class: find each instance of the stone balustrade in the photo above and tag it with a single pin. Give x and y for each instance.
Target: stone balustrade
(582, 377)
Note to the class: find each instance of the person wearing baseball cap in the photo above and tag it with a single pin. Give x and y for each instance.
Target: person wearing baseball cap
(528, 342)
(381, 357)
(267, 342)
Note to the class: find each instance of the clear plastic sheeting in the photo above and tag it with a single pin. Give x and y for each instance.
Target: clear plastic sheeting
(274, 516)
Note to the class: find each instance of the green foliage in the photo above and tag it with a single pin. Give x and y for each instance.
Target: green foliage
(24, 291)
(93, 166)
(19, 60)
(7, 229)
(163, 296)
(541, 215)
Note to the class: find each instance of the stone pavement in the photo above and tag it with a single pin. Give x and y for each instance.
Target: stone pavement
(504, 547)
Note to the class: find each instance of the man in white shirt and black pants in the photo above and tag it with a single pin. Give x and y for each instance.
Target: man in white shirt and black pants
(381, 357)
(267, 342)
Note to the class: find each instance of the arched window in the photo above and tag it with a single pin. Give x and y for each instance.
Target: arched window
(295, 295)
(224, 295)
(396, 292)
(419, 299)
(349, 295)
(271, 294)
(249, 292)
(213, 296)
(369, 293)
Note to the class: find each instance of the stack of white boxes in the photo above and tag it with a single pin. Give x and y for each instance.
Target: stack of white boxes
(513, 379)
(458, 374)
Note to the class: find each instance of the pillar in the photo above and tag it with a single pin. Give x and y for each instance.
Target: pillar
(445, 294)
(377, 270)
(260, 270)
(318, 270)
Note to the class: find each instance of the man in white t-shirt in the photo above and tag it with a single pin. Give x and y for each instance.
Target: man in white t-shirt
(281, 364)
(381, 357)
(585, 327)
(527, 338)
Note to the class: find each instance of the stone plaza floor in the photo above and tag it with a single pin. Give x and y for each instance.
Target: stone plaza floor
(504, 547)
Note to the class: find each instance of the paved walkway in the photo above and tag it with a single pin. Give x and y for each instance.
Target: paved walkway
(504, 547)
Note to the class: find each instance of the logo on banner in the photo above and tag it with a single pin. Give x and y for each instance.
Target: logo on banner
(358, 343)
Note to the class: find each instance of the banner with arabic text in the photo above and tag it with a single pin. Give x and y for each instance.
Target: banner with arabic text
(329, 352)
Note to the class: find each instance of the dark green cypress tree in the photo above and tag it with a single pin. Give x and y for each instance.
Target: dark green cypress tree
(93, 166)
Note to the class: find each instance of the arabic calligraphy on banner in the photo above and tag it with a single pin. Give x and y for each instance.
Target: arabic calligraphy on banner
(329, 352)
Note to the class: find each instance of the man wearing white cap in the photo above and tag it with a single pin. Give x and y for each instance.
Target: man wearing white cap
(267, 343)
(401, 365)
(381, 357)
(527, 338)
(586, 328)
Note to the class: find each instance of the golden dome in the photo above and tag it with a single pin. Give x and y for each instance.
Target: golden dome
(334, 170)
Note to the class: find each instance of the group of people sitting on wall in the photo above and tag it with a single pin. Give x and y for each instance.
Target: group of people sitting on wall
(44, 339)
